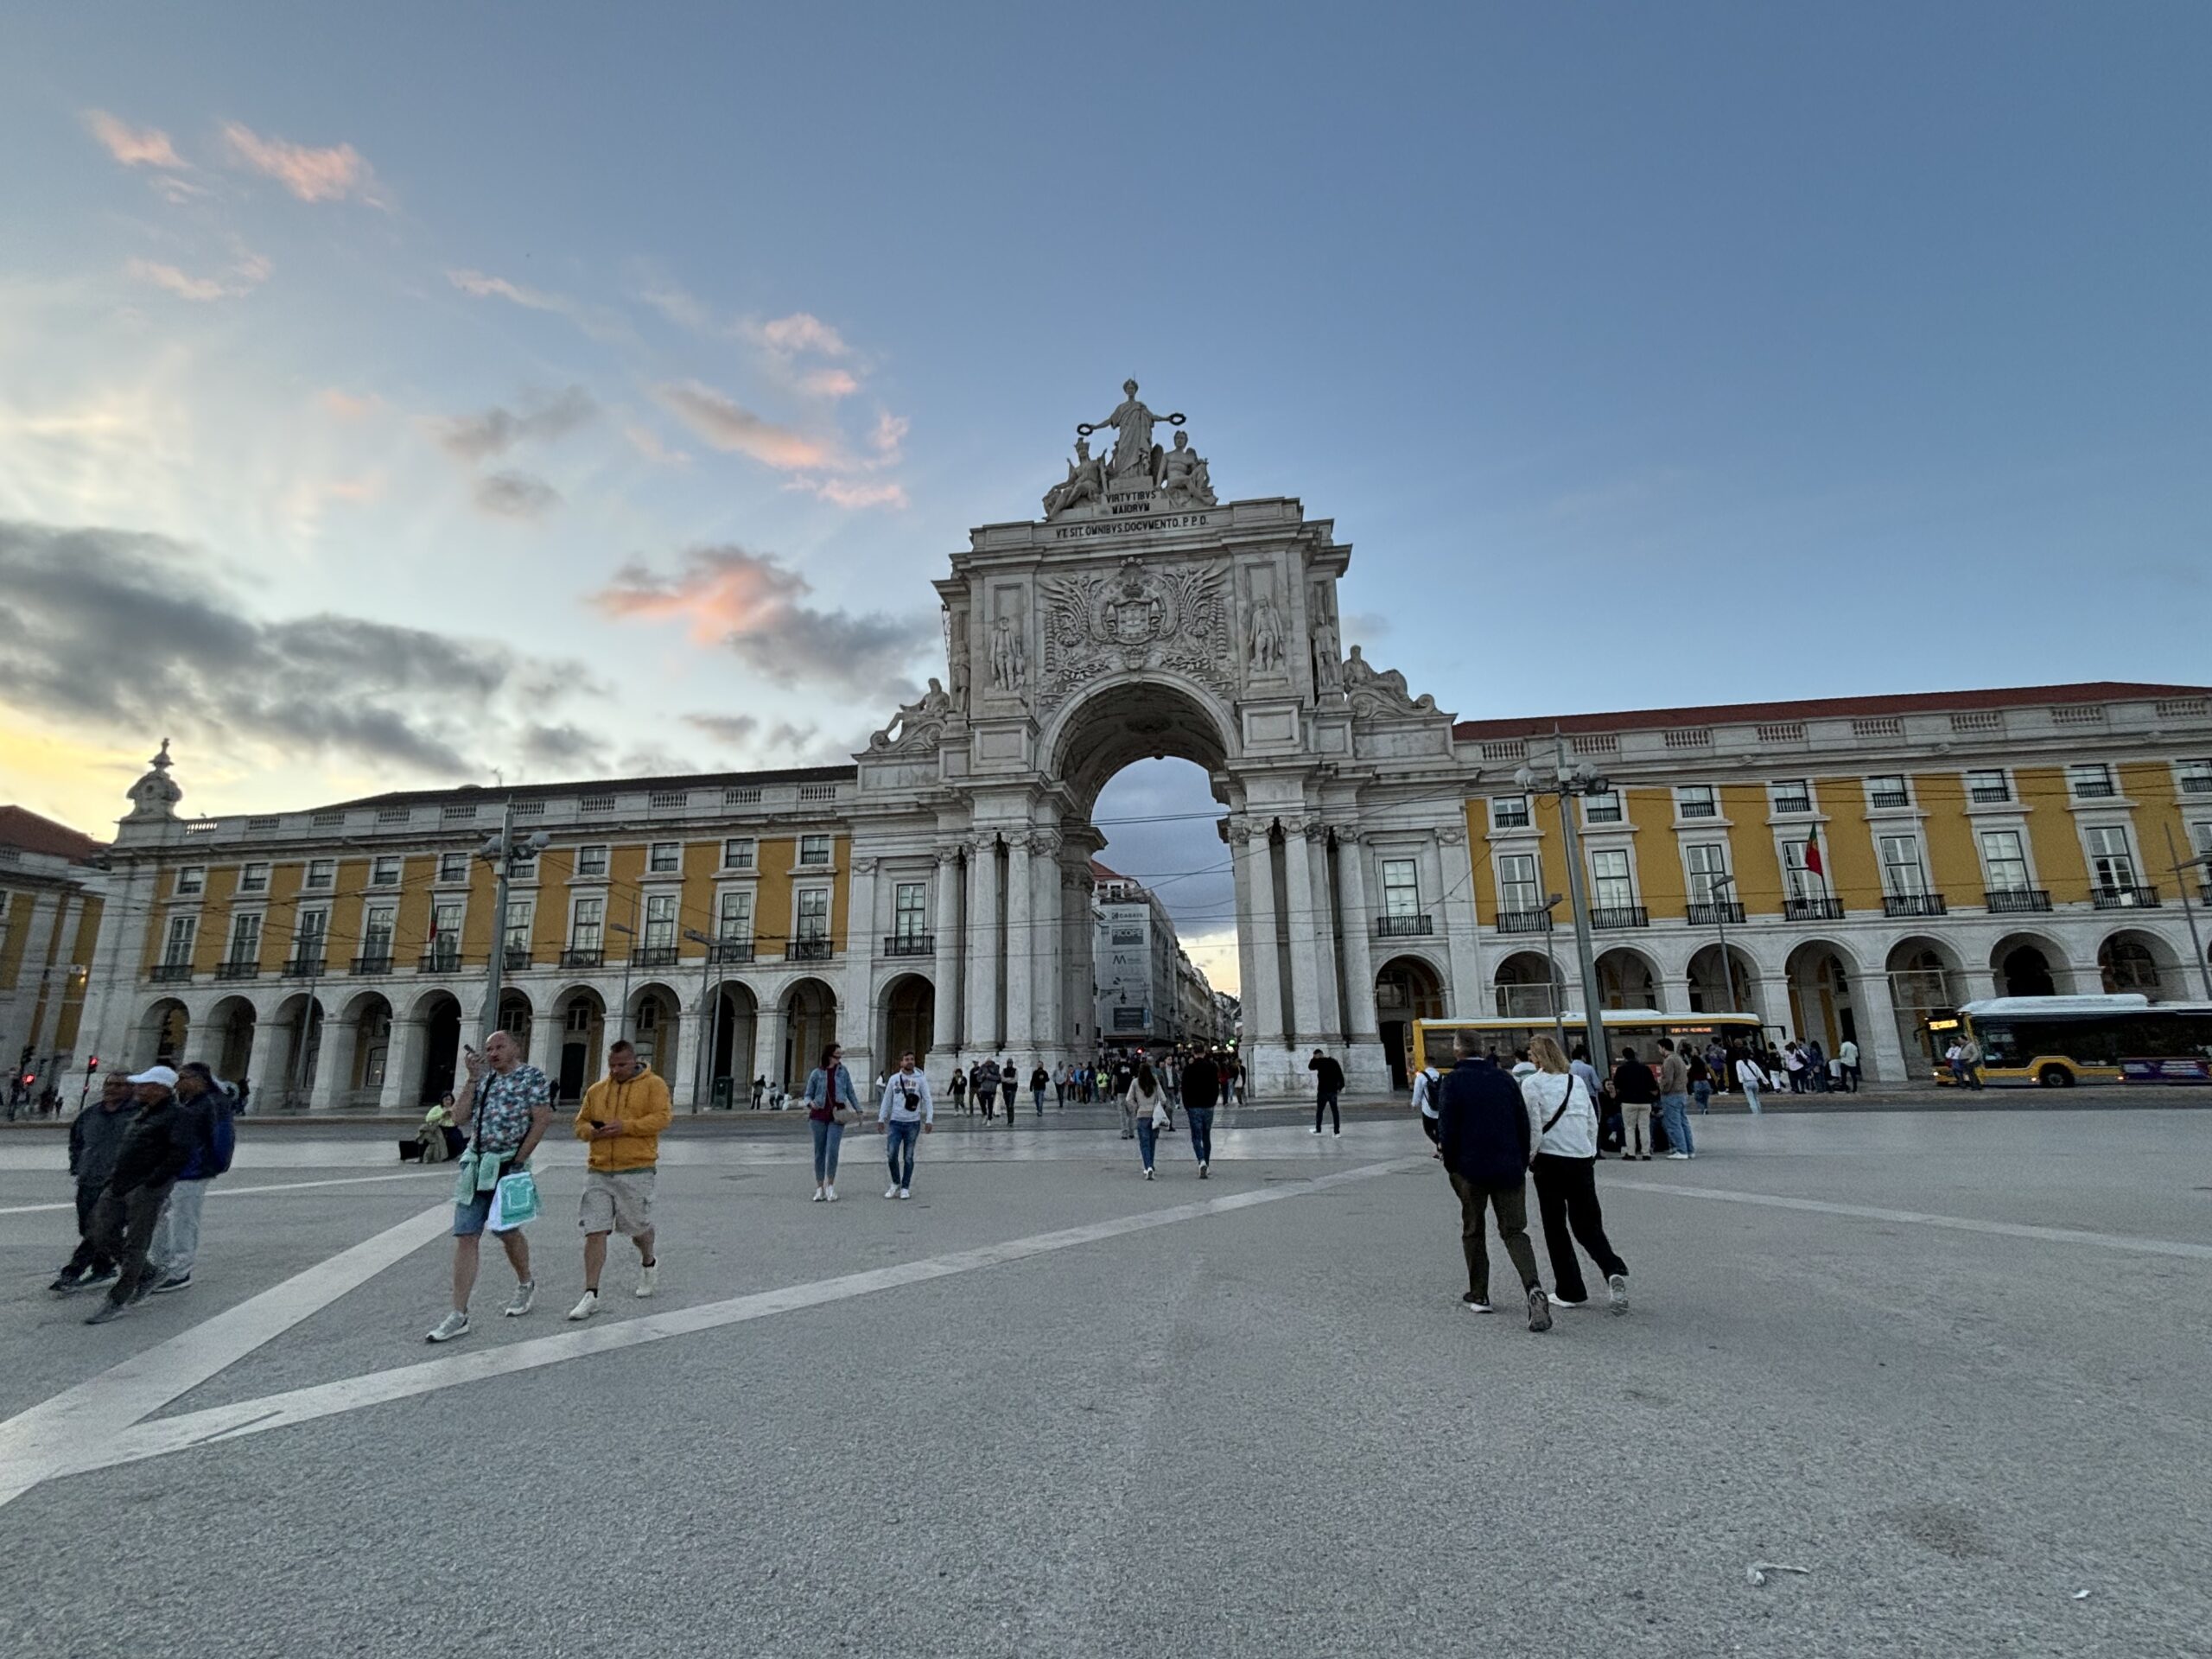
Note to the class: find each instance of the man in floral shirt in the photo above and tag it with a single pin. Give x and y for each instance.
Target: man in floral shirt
(506, 1106)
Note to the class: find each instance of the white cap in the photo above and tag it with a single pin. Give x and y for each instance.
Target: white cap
(161, 1074)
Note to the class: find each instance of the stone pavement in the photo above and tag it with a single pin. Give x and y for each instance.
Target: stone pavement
(1950, 1363)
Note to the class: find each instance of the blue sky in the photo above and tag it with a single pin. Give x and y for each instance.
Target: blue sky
(419, 390)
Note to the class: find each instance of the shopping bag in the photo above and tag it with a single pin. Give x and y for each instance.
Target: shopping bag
(514, 1202)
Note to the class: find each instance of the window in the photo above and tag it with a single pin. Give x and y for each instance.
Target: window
(384, 871)
(245, 937)
(585, 923)
(2091, 782)
(591, 861)
(1704, 861)
(814, 913)
(2005, 861)
(1987, 788)
(737, 853)
(453, 867)
(2112, 862)
(1800, 882)
(735, 919)
(1889, 790)
(1518, 888)
(1903, 875)
(908, 903)
(660, 921)
(445, 931)
(376, 931)
(191, 880)
(1401, 887)
(664, 857)
(1604, 808)
(524, 865)
(322, 874)
(521, 913)
(2193, 777)
(1696, 801)
(1611, 887)
(254, 878)
(308, 933)
(1510, 812)
(1794, 796)
(814, 849)
(183, 932)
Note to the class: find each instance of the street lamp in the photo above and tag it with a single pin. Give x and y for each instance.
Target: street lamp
(628, 957)
(503, 852)
(1721, 884)
(1559, 986)
(2201, 862)
(1566, 781)
(704, 1070)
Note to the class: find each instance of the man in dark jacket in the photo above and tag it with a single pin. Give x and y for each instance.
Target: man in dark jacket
(156, 1147)
(94, 1139)
(1201, 1088)
(1485, 1131)
(206, 1107)
(1328, 1083)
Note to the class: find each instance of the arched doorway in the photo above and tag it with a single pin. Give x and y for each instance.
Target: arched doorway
(230, 1027)
(439, 1015)
(733, 1025)
(580, 1013)
(1730, 988)
(909, 1013)
(364, 1048)
(809, 1024)
(1926, 980)
(1822, 1008)
(1627, 980)
(2133, 961)
(162, 1031)
(653, 1029)
(298, 1047)
(1529, 986)
(2025, 964)
(1406, 990)
(518, 1018)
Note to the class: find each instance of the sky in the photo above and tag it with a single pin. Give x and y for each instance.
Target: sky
(415, 394)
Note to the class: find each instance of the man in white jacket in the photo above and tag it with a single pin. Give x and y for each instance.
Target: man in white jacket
(905, 1115)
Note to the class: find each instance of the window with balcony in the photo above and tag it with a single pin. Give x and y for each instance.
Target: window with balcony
(441, 950)
(2193, 777)
(192, 881)
(814, 849)
(1705, 862)
(1696, 801)
(657, 946)
(311, 933)
(814, 912)
(1797, 881)
(1792, 795)
(246, 938)
(664, 858)
(176, 949)
(1520, 887)
(2007, 884)
(384, 870)
(735, 918)
(1509, 812)
(2092, 782)
(254, 878)
(1988, 788)
(1888, 790)
(522, 916)
(738, 853)
(587, 925)
(1903, 869)
(453, 869)
(1612, 886)
(1602, 808)
(378, 922)
(2111, 864)
(1401, 911)
(322, 874)
(591, 861)
(910, 928)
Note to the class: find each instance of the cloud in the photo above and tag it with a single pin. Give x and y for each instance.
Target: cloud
(646, 443)
(516, 495)
(543, 415)
(890, 432)
(598, 323)
(746, 736)
(134, 146)
(801, 332)
(344, 405)
(848, 492)
(248, 274)
(828, 382)
(755, 606)
(561, 745)
(1366, 627)
(726, 425)
(331, 174)
(736, 730)
(203, 666)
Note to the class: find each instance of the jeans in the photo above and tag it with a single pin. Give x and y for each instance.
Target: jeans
(1636, 1128)
(123, 1226)
(1038, 1095)
(1007, 1094)
(1566, 1199)
(175, 1245)
(827, 1138)
(1145, 1135)
(1675, 1111)
(88, 1254)
(1703, 1090)
(1511, 1204)
(1751, 1096)
(1201, 1120)
(900, 1138)
(1328, 1103)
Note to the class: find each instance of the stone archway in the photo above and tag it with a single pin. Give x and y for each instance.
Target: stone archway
(163, 1030)
(2028, 964)
(580, 1024)
(1729, 987)
(1530, 987)
(809, 1022)
(656, 1029)
(294, 1051)
(1407, 988)
(909, 1017)
(1627, 979)
(1926, 979)
(734, 1023)
(2135, 961)
(1823, 1007)
(435, 1023)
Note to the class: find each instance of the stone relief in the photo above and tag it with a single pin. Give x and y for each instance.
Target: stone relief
(1133, 618)
(1266, 650)
(918, 725)
(1009, 656)
(1381, 692)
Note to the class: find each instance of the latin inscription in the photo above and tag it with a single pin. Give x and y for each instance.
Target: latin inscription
(1166, 521)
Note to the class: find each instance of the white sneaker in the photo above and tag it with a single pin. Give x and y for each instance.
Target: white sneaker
(1559, 1301)
(454, 1324)
(905, 1192)
(1616, 1289)
(649, 1278)
(832, 1193)
(1317, 1128)
(525, 1298)
(1336, 1131)
(819, 1195)
(1678, 1157)
(586, 1305)
(1148, 1175)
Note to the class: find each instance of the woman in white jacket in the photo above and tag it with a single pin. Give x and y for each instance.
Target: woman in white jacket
(1751, 1078)
(1144, 1096)
(1566, 1171)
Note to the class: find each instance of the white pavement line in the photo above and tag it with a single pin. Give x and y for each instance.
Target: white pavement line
(53, 1436)
(1957, 1224)
(220, 1192)
(295, 1406)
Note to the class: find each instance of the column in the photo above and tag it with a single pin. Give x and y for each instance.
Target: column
(683, 1077)
(1257, 936)
(1455, 862)
(1021, 948)
(1320, 899)
(402, 1066)
(331, 1088)
(945, 1003)
(1882, 1056)
(980, 933)
(265, 1077)
(1306, 946)
(1359, 962)
(768, 1044)
(1078, 1006)
(857, 1018)
(1675, 994)
(1047, 1028)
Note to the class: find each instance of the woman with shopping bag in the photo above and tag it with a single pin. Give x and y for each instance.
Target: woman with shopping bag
(1147, 1106)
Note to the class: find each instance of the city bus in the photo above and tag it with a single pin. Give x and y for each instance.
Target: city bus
(2058, 1041)
(1637, 1028)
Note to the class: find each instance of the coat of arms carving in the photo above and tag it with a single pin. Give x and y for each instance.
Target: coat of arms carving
(1134, 618)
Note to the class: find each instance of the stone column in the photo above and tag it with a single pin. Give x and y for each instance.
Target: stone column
(1322, 901)
(264, 1073)
(1021, 948)
(1077, 1004)
(1047, 1028)
(768, 1044)
(684, 1090)
(857, 1018)
(1881, 1055)
(944, 996)
(981, 1005)
(1461, 944)
(1258, 935)
(1308, 944)
(1359, 961)
(333, 1065)
(402, 1066)
(1675, 994)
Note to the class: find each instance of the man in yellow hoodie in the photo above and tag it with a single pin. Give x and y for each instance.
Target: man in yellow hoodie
(622, 1118)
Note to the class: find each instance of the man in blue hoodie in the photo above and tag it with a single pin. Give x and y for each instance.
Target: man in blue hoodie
(205, 1110)
(1484, 1132)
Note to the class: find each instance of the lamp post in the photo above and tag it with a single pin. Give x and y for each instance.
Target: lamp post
(628, 957)
(503, 852)
(1559, 986)
(703, 1073)
(1721, 884)
(2201, 862)
(1567, 782)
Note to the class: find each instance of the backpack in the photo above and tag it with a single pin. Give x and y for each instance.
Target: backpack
(223, 1136)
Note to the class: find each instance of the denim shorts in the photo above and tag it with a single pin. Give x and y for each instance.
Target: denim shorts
(468, 1218)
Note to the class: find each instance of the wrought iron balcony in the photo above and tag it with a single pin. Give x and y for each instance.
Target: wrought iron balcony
(1912, 904)
(1889, 798)
(515, 958)
(2127, 897)
(1403, 927)
(170, 973)
(237, 971)
(729, 950)
(910, 944)
(306, 968)
(1812, 910)
(583, 957)
(2004, 901)
(377, 963)
(653, 956)
(1524, 921)
(1719, 911)
(436, 961)
(1620, 916)
(1989, 794)
(807, 951)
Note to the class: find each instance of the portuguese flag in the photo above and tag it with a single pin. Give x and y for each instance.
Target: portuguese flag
(1813, 853)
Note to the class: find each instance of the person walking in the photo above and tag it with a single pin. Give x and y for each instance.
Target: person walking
(1634, 1088)
(1846, 1054)
(1565, 1173)
(95, 1137)
(1700, 1074)
(1328, 1083)
(155, 1147)
(1751, 1078)
(1716, 1062)
(621, 1120)
(1201, 1088)
(1040, 1081)
(1675, 1098)
(1009, 1087)
(984, 1080)
(903, 1116)
(828, 1092)
(1061, 1073)
(958, 1083)
(1793, 1060)
(204, 1104)
(506, 1107)
(1487, 1141)
(1147, 1107)
(1970, 1061)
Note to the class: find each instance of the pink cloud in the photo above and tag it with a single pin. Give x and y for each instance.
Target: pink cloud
(595, 320)
(845, 492)
(646, 443)
(802, 332)
(184, 287)
(311, 174)
(728, 425)
(344, 404)
(890, 432)
(828, 382)
(133, 146)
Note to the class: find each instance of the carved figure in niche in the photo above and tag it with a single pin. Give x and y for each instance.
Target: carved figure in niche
(956, 655)
(1266, 637)
(1183, 480)
(1008, 661)
(1134, 449)
(1328, 668)
(1086, 481)
(1381, 690)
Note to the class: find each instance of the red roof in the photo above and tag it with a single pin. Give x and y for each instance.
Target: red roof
(1100, 873)
(26, 831)
(1907, 702)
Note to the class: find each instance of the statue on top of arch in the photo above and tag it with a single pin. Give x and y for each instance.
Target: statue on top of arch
(1179, 476)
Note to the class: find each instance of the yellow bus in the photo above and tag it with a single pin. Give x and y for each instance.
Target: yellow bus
(1637, 1028)
(2055, 1042)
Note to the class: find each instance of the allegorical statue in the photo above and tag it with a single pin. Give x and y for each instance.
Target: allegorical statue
(1266, 637)
(1134, 449)
(1086, 481)
(1184, 481)
(1009, 662)
(1328, 666)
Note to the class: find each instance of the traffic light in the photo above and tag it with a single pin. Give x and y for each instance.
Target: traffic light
(92, 1066)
